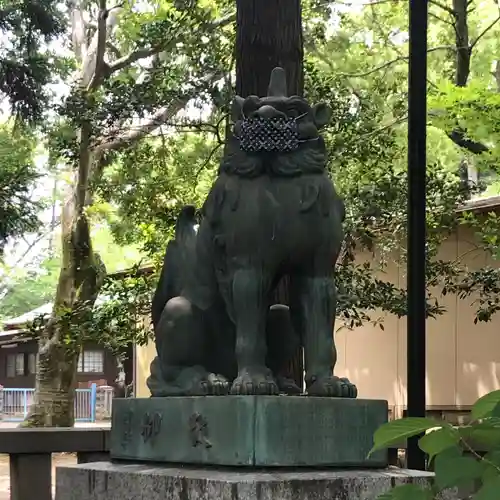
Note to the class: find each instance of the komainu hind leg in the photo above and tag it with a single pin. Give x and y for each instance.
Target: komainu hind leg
(179, 368)
(313, 307)
(282, 345)
(249, 289)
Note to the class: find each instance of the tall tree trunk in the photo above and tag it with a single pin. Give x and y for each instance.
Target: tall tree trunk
(269, 34)
(463, 52)
(80, 280)
(463, 48)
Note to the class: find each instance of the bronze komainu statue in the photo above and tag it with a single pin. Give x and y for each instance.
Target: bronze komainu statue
(272, 212)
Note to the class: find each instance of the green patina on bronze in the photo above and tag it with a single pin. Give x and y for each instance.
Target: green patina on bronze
(272, 212)
(270, 431)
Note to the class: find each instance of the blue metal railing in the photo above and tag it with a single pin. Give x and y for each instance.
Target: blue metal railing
(17, 402)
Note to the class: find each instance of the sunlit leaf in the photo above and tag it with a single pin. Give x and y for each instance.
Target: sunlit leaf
(435, 442)
(483, 436)
(485, 406)
(397, 431)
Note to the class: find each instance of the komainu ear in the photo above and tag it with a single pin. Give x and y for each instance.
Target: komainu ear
(237, 108)
(322, 114)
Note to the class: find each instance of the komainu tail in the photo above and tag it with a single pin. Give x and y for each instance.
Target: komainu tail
(178, 262)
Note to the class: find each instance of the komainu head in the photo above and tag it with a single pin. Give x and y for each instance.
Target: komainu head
(276, 133)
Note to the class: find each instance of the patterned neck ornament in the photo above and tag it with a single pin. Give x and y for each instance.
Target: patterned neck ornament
(269, 134)
(274, 134)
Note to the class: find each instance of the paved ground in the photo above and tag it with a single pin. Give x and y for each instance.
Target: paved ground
(57, 459)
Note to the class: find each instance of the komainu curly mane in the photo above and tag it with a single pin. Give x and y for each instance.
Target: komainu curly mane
(310, 158)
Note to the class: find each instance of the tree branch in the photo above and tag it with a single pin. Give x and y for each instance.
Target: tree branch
(136, 55)
(113, 49)
(132, 135)
(460, 139)
(142, 53)
(5, 287)
(369, 4)
(78, 37)
(435, 16)
(115, 141)
(443, 6)
(108, 19)
(208, 160)
(393, 61)
(101, 45)
(488, 28)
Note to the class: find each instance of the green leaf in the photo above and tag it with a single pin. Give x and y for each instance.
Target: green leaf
(485, 406)
(435, 442)
(407, 492)
(398, 430)
(454, 470)
(482, 436)
(492, 466)
(489, 491)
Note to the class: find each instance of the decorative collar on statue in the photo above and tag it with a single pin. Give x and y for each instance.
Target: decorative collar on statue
(269, 134)
(276, 123)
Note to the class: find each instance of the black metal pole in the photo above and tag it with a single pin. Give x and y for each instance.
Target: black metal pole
(417, 134)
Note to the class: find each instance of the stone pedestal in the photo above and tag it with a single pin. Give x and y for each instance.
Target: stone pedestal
(262, 431)
(113, 481)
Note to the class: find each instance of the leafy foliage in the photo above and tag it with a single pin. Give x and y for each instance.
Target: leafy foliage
(26, 66)
(18, 210)
(361, 72)
(466, 457)
(150, 183)
(115, 321)
(30, 290)
(177, 56)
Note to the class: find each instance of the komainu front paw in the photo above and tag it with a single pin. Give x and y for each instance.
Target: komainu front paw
(251, 381)
(288, 386)
(196, 381)
(217, 385)
(209, 384)
(332, 387)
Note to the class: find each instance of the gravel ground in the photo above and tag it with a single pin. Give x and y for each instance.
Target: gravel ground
(57, 459)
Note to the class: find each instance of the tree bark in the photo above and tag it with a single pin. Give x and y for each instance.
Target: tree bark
(80, 280)
(269, 34)
(463, 52)
(463, 48)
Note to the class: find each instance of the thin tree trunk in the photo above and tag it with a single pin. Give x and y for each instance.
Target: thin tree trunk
(269, 34)
(80, 280)
(463, 49)
(463, 52)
